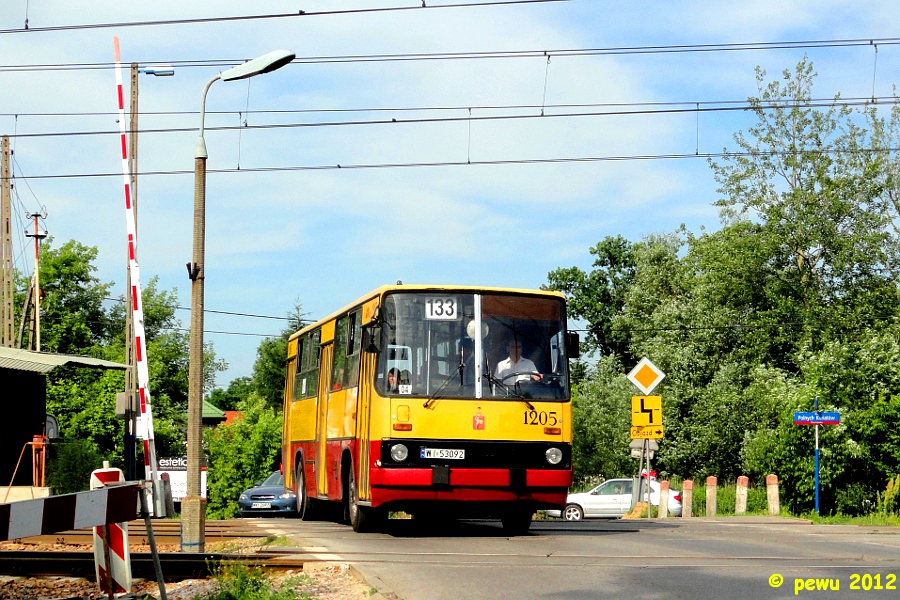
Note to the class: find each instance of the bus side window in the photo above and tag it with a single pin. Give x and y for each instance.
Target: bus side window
(312, 364)
(297, 372)
(347, 334)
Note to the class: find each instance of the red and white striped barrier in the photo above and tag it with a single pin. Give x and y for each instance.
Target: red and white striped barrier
(111, 539)
(145, 421)
(45, 516)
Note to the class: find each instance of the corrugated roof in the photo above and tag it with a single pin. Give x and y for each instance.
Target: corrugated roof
(211, 411)
(42, 362)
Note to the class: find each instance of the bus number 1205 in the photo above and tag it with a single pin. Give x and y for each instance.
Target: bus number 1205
(533, 417)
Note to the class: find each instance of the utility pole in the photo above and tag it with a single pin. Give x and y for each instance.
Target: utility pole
(131, 412)
(38, 235)
(7, 318)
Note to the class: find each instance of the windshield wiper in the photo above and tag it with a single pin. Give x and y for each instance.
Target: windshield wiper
(434, 396)
(509, 390)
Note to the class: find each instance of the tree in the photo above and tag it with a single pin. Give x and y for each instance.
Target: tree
(794, 297)
(75, 321)
(245, 451)
(269, 373)
(596, 297)
(808, 178)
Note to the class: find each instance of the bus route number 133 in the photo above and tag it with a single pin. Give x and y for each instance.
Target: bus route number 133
(441, 308)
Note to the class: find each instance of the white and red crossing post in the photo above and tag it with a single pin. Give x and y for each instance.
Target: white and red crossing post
(145, 420)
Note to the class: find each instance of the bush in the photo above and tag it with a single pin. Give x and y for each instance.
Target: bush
(70, 465)
(241, 453)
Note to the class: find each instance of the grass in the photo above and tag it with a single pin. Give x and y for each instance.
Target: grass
(239, 582)
(280, 541)
(873, 520)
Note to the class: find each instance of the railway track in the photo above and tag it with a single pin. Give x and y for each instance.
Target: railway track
(166, 532)
(176, 566)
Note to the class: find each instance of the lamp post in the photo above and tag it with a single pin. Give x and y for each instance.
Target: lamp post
(193, 507)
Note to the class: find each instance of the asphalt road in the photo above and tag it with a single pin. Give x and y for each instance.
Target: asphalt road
(678, 558)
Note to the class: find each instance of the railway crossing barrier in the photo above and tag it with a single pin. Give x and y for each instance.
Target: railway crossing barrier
(112, 559)
(45, 516)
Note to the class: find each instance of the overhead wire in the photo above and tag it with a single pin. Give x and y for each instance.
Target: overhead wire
(497, 162)
(490, 54)
(745, 106)
(260, 17)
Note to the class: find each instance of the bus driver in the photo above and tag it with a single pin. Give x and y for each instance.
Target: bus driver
(516, 363)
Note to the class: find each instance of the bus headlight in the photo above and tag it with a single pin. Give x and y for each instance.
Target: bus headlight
(399, 452)
(554, 456)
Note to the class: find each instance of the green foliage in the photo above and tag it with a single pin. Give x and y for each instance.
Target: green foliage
(795, 297)
(241, 453)
(268, 378)
(597, 296)
(75, 321)
(70, 465)
(889, 502)
(228, 399)
(239, 582)
(601, 408)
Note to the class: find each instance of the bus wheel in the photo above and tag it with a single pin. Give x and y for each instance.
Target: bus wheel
(517, 522)
(363, 519)
(305, 508)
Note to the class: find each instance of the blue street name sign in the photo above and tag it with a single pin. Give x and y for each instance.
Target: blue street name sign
(817, 418)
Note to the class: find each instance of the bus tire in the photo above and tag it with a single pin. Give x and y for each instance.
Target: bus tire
(363, 519)
(305, 505)
(517, 522)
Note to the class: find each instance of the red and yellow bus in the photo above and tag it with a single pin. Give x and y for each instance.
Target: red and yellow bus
(396, 403)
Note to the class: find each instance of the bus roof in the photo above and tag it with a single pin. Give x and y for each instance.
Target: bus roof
(422, 288)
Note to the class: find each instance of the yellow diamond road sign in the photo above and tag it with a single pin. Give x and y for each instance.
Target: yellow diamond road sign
(646, 376)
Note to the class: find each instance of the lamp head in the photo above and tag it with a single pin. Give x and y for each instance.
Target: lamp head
(264, 64)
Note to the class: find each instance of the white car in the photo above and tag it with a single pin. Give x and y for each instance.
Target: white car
(612, 498)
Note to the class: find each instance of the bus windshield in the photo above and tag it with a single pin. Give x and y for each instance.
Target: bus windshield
(430, 348)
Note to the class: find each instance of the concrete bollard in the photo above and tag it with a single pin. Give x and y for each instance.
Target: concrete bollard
(711, 482)
(772, 495)
(663, 511)
(740, 498)
(687, 498)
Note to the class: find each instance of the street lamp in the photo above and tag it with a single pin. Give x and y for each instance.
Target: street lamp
(193, 507)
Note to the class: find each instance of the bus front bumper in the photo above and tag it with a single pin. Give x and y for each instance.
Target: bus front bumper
(543, 487)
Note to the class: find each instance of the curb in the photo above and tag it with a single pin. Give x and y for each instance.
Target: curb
(374, 582)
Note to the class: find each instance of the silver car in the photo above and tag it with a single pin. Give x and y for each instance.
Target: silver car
(612, 498)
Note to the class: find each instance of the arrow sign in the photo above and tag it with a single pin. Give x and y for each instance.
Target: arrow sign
(647, 433)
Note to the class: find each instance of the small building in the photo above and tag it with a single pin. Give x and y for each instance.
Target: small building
(23, 398)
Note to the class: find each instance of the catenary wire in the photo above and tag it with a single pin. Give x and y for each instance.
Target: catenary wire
(469, 119)
(284, 111)
(491, 54)
(260, 17)
(225, 312)
(498, 162)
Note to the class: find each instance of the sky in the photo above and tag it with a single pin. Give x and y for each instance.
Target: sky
(284, 224)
